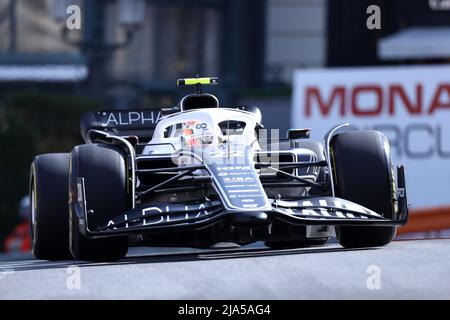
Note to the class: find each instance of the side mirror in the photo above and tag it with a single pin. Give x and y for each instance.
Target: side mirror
(299, 133)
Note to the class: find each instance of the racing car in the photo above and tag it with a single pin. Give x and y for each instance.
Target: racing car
(201, 173)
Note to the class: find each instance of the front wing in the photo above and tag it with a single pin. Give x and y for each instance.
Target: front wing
(159, 217)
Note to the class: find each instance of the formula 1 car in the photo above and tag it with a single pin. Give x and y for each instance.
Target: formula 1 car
(201, 173)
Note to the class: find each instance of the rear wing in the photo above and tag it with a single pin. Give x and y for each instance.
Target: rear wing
(137, 122)
(133, 122)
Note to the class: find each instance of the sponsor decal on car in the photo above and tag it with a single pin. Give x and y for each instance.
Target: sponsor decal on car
(129, 118)
(161, 213)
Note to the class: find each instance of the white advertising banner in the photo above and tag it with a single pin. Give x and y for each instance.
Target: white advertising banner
(409, 104)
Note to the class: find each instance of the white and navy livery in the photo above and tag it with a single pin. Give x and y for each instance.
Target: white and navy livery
(201, 173)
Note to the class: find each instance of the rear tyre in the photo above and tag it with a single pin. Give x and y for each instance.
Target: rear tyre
(48, 206)
(104, 172)
(363, 173)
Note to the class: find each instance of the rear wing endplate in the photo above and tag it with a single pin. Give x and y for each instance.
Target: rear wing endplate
(138, 122)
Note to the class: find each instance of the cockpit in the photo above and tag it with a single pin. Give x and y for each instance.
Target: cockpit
(202, 122)
(200, 127)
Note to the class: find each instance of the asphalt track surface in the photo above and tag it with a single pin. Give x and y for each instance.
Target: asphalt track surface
(414, 269)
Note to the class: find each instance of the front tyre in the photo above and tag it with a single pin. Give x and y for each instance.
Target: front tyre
(363, 174)
(48, 206)
(104, 171)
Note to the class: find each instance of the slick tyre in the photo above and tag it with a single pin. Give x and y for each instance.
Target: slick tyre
(363, 173)
(49, 179)
(104, 172)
